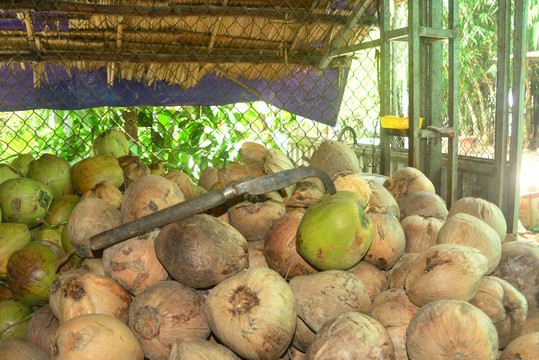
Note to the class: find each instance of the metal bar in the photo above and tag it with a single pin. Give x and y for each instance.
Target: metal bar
(435, 111)
(347, 50)
(384, 86)
(502, 99)
(453, 104)
(414, 83)
(297, 15)
(519, 77)
(156, 58)
(340, 38)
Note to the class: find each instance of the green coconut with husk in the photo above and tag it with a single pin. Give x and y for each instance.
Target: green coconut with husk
(14, 318)
(21, 163)
(335, 233)
(8, 172)
(51, 233)
(24, 201)
(54, 172)
(13, 237)
(111, 142)
(60, 209)
(32, 269)
(68, 247)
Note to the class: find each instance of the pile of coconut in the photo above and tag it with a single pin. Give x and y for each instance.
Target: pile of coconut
(379, 270)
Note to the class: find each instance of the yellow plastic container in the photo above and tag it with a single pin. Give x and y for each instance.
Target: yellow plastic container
(393, 122)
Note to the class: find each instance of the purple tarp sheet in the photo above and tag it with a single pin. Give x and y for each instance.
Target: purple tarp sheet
(315, 97)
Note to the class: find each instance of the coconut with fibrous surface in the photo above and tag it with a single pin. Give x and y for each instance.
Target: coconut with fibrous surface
(407, 181)
(382, 198)
(91, 171)
(275, 161)
(324, 295)
(252, 155)
(90, 216)
(525, 347)
(133, 168)
(184, 182)
(451, 329)
(95, 336)
(421, 232)
(147, 195)
(423, 203)
(399, 272)
(505, 305)
(351, 336)
(208, 177)
(201, 251)
(388, 239)
(40, 328)
(350, 181)
(374, 279)
(200, 350)
(12, 348)
(133, 263)
(483, 209)
(107, 191)
(231, 173)
(253, 313)
(280, 247)
(445, 271)
(165, 312)
(302, 336)
(254, 219)
(80, 292)
(335, 156)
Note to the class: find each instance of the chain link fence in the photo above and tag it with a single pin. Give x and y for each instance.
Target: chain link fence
(166, 47)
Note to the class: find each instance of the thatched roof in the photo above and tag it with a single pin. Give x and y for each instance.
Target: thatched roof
(180, 41)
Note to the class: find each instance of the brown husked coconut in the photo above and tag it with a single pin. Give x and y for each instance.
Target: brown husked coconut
(253, 220)
(133, 168)
(519, 266)
(200, 251)
(484, 210)
(165, 312)
(351, 336)
(525, 347)
(147, 195)
(324, 295)
(280, 247)
(5, 293)
(451, 329)
(394, 310)
(106, 191)
(399, 272)
(504, 305)
(423, 203)
(532, 322)
(79, 292)
(420, 232)
(303, 335)
(276, 161)
(382, 198)
(91, 171)
(388, 240)
(302, 199)
(157, 168)
(334, 156)
(465, 229)
(200, 350)
(445, 271)
(93, 265)
(255, 254)
(40, 328)
(208, 178)
(183, 181)
(252, 155)
(350, 181)
(12, 348)
(230, 174)
(407, 181)
(374, 279)
(295, 354)
(95, 336)
(133, 263)
(253, 313)
(90, 216)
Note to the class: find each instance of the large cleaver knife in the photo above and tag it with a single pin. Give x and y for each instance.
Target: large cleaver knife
(207, 201)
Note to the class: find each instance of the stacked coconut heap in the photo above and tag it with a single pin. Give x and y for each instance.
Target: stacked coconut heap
(376, 271)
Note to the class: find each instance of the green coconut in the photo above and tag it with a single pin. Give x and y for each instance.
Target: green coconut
(32, 269)
(335, 233)
(13, 237)
(53, 171)
(8, 172)
(60, 209)
(24, 201)
(14, 319)
(21, 163)
(95, 169)
(110, 143)
(52, 234)
(68, 246)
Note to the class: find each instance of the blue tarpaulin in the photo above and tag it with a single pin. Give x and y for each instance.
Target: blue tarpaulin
(316, 97)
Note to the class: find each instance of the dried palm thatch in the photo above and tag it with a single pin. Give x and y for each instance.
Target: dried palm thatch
(180, 41)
